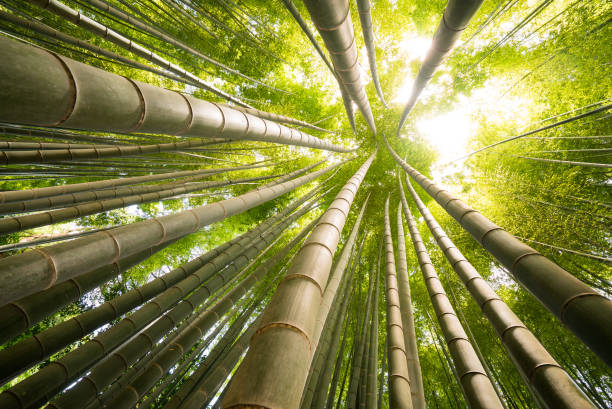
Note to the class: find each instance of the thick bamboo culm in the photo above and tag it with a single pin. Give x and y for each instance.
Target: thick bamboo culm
(412, 354)
(68, 94)
(476, 385)
(574, 303)
(365, 17)
(333, 21)
(399, 377)
(457, 14)
(280, 354)
(545, 376)
(32, 271)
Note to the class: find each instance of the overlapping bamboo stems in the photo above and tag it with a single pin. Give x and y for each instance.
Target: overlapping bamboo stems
(19, 223)
(52, 33)
(578, 306)
(383, 377)
(539, 369)
(476, 385)
(87, 23)
(333, 21)
(279, 118)
(109, 369)
(455, 19)
(368, 38)
(28, 195)
(399, 378)
(357, 372)
(371, 395)
(330, 395)
(280, 351)
(111, 103)
(363, 377)
(32, 271)
(412, 353)
(329, 298)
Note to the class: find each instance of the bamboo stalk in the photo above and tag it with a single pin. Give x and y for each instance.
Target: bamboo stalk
(368, 38)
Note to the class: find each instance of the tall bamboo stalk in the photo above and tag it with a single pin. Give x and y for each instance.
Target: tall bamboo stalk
(399, 378)
(477, 387)
(582, 309)
(32, 271)
(545, 376)
(333, 20)
(371, 397)
(274, 371)
(368, 38)
(279, 118)
(70, 94)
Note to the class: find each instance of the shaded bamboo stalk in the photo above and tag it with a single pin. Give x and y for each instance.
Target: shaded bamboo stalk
(399, 378)
(582, 309)
(371, 396)
(280, 352)
(333, 21)
(368, 38)
(112, 103)
(32, 271)
(545, 376)
(476, 385)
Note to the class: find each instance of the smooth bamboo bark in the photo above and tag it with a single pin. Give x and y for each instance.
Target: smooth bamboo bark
(32, 271)
(412, 351)
(274, 371)
(455, 19)
(545, 376)
(583, 310)
(399, 378)
(476, 385)
(368, 38)
(280, 118)
(333, 21)
(371, 396)
(73, 95)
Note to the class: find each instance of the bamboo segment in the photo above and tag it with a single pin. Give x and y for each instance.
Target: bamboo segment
(399, 378)
(455, 19)
(372, 387)
(274, 371)
(278, 118)
(476, 385)
(550, 382)
(73, 95)
(36, 270)
(412, 354)
(368, 38)
(20, 223)
(333, 20)
(578, 306)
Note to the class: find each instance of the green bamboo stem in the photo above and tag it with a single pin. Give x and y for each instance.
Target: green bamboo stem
(279, 118)
(337, 369)
(476, 385)
(32, 271)
(363, 7)
(578, 306)
(399, 378)
(371, 396)
(280, 353)
(333, 21)
(70, 94)
(550, 382)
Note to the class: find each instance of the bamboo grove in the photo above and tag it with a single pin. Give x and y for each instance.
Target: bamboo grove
(307, 204)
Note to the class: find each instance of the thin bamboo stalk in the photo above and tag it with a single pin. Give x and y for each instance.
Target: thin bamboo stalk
(368, 38)
(372, 387)
(578, 306)
(280, 352)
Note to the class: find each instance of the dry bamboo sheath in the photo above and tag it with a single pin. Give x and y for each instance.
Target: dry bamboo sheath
(274, 371)
(36, 270)
(67, 93)
(399, 377)
(577, 305)
(476, 385)
(550, 382)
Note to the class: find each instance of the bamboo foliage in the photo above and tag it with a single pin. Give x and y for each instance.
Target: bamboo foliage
(412, 355)
(455, 19)
(551, 383)
(399, 378)
(577, 305)
(333, 20)
(368, 39)
(78, 96)
(274, 371)
(476, 385)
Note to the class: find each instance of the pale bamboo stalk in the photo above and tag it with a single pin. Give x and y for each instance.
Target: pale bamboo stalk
(372, 387)
(549, 381)
(70, 94)
(399, 378)
(279, 118)
(364, 7)
(578, 306)
(280, 352)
